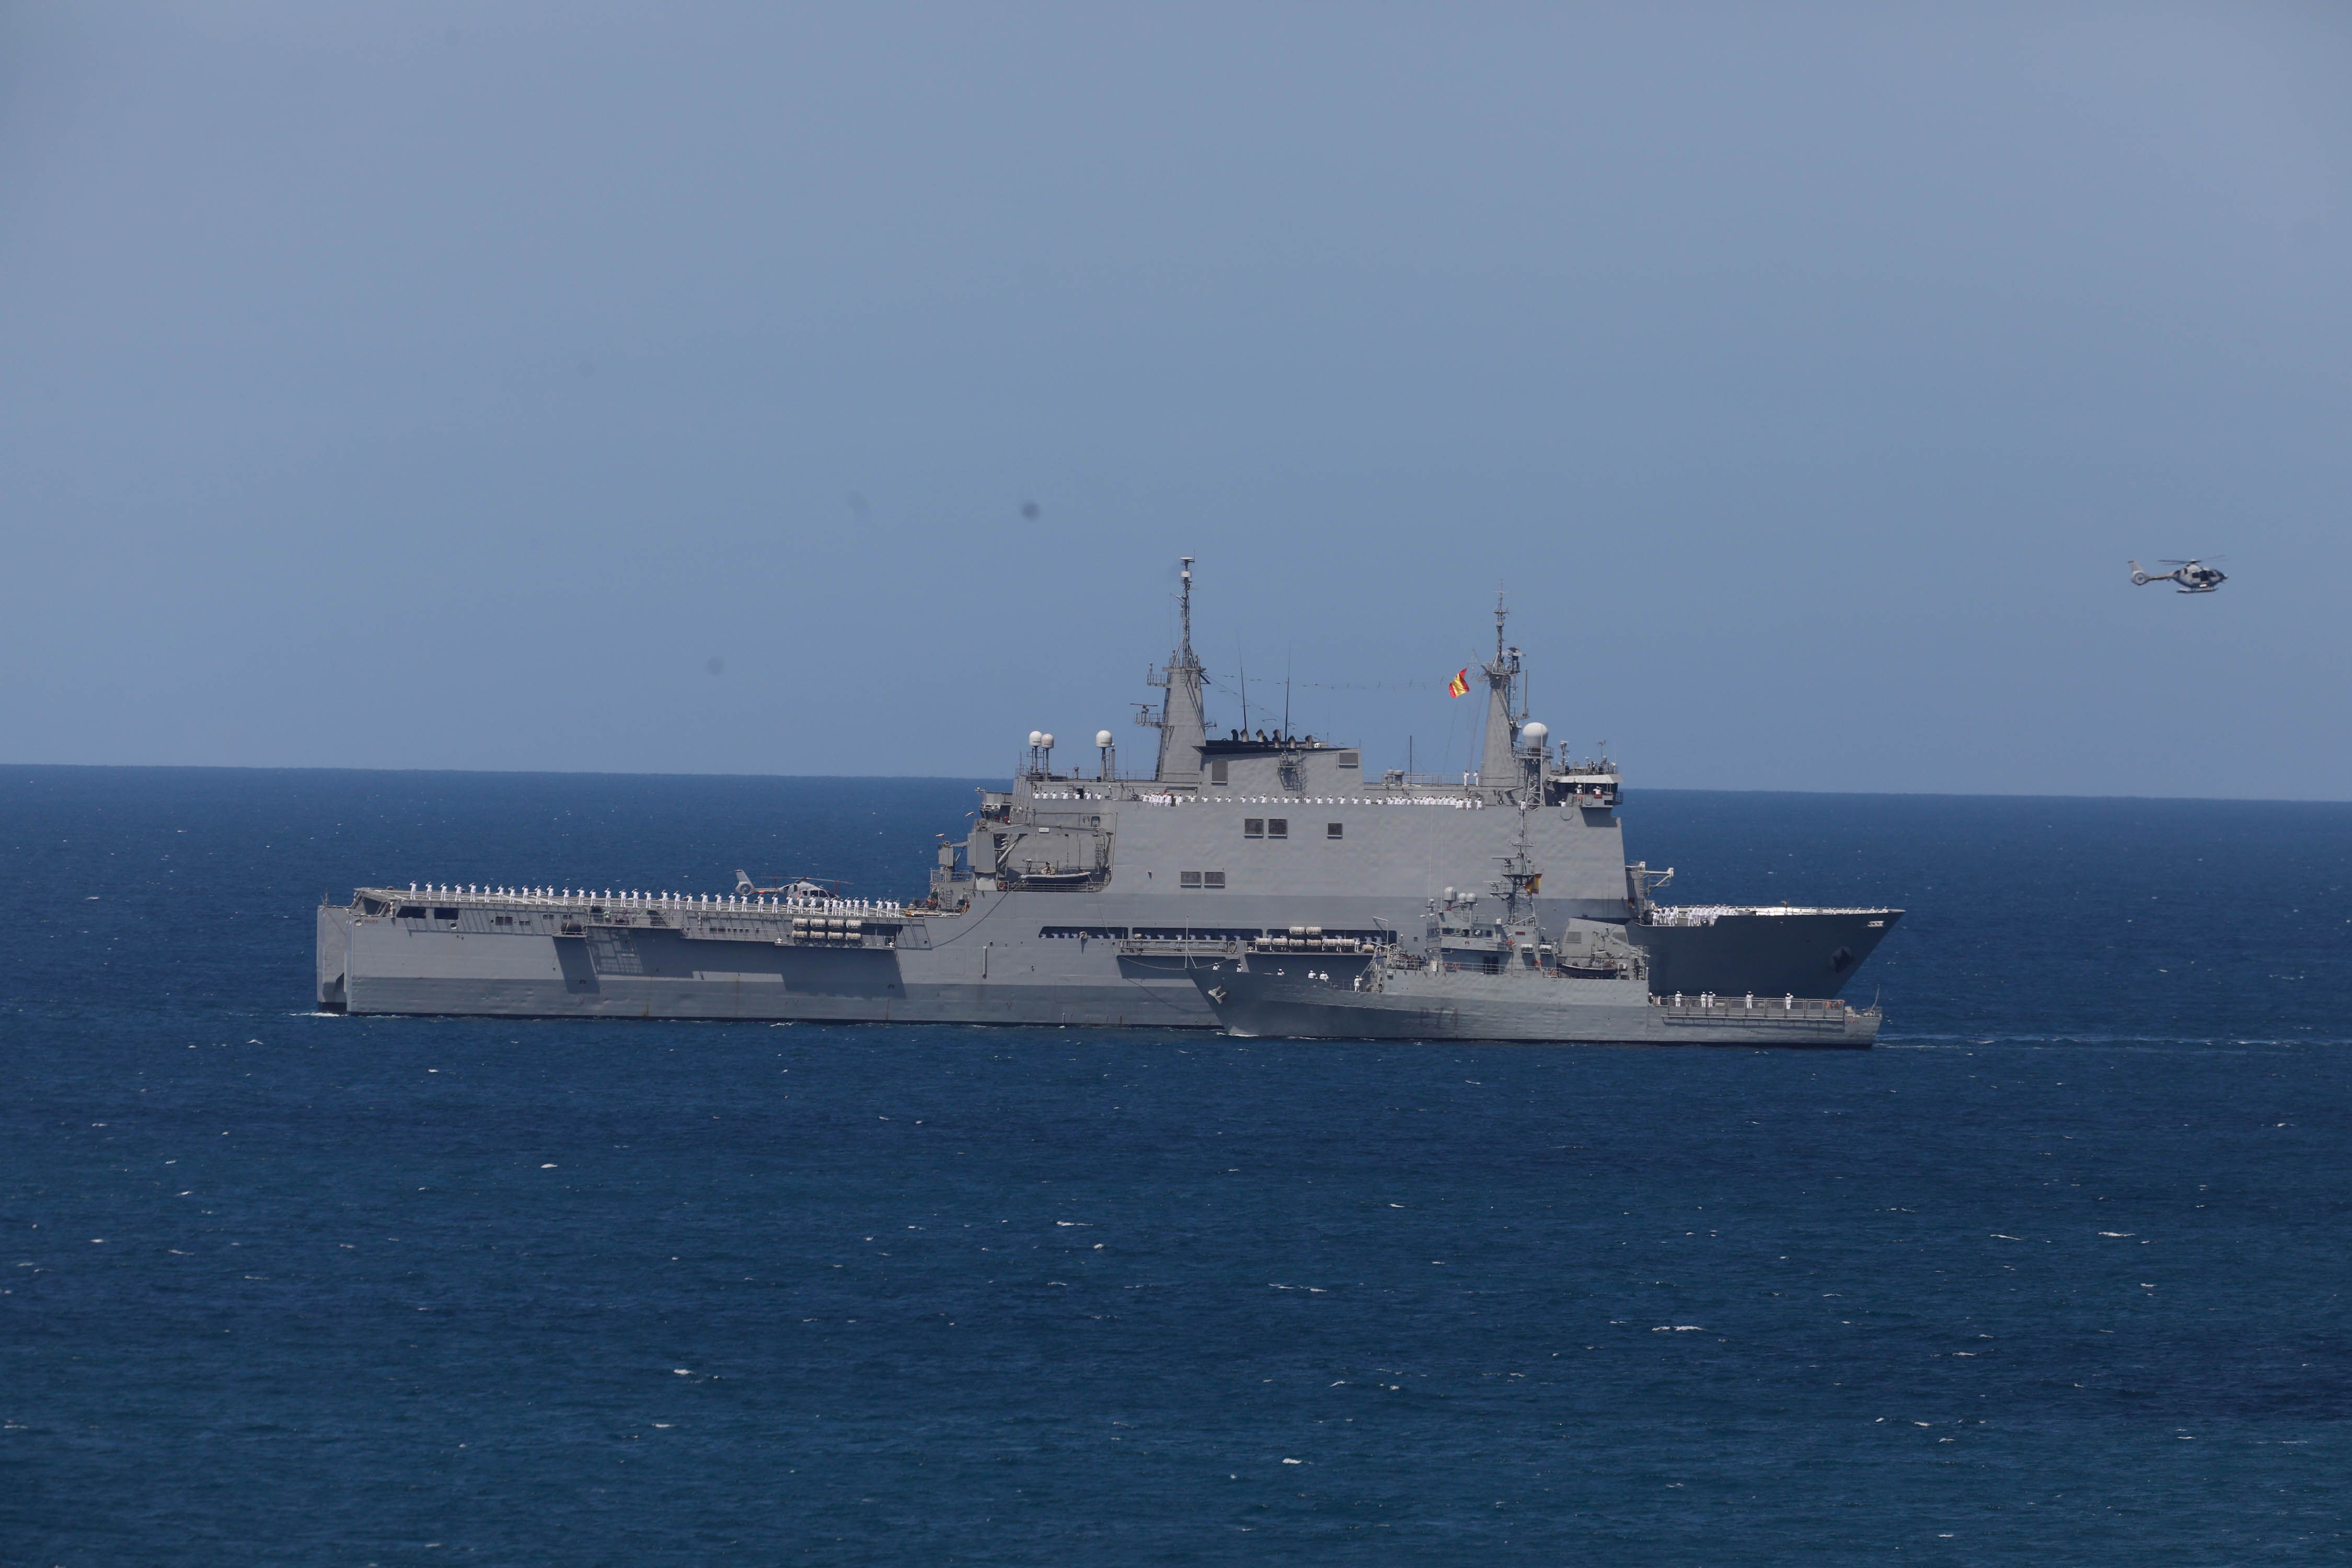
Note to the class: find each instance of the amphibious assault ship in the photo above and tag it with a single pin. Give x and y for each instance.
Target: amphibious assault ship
(1080, 900)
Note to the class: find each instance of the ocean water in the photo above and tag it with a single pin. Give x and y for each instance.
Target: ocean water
(2057, 1274)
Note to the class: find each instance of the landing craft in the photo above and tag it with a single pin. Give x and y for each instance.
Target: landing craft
(2194, 577)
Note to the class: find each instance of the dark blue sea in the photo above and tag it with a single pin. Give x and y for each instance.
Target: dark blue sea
(2056, 1275)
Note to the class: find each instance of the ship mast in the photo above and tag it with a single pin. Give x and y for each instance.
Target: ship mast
(1498, 757)
(1183, 729)
(1520, 880)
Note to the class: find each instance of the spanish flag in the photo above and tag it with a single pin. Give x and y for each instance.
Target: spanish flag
(1460, 685)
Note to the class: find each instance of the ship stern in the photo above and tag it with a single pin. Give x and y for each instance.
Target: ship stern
(334, 958)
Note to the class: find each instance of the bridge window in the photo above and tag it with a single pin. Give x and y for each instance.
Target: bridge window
(445, 914)
(412, 912)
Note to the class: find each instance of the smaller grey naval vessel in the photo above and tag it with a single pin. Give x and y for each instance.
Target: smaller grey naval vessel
(1497, 977)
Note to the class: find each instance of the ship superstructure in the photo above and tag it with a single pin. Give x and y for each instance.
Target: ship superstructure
(1083, 900)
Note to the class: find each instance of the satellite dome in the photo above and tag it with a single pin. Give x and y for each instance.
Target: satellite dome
(1036, 737)
(1536, 733)
(1102, 737)
(1046, 741)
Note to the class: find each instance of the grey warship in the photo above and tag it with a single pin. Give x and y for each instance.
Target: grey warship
(1087, 898)
(1498, 977)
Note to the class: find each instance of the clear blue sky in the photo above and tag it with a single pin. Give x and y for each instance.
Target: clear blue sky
(450, 386)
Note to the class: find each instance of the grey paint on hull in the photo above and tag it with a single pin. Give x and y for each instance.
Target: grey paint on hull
(996, 971)
(395, 968)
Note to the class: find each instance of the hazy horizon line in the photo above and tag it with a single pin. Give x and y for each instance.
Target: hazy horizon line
(982, 782)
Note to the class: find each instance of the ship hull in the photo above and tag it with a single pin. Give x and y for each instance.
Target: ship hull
(382, 966)
(389, 966)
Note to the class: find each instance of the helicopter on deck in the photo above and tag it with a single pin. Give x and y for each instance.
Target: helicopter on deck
(2194, 576)
(804, 889)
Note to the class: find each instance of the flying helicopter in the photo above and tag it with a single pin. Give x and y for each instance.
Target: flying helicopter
(2194, 576)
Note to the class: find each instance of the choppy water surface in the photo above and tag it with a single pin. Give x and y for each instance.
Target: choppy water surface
(2058, 1273)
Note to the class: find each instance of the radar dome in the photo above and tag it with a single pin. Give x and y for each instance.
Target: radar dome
(1536, 733)
(1102, 737)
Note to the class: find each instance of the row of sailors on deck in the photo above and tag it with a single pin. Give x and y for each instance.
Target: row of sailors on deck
(688, 901)
(1708, 999)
